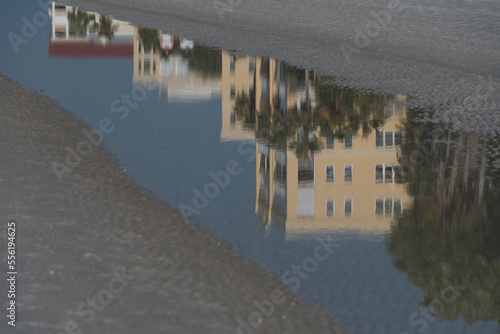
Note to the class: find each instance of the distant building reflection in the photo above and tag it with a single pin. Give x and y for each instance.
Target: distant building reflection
(88, 34)
(165, 61)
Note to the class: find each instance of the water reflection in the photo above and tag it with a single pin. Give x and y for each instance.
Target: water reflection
(330, 158)
(88, 34)
(326, 155)
(183, 70)
(450, 235)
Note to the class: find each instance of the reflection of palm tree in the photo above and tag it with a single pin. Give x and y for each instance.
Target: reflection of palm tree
(149, 39)
(244, 108)
(341, 111)
(202, 59)
(205, 60)
(78, 22)
(105, 27)
(306, 142)
(346, 111)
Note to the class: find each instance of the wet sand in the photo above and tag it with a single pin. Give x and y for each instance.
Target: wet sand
(440, 53)
(71, 234)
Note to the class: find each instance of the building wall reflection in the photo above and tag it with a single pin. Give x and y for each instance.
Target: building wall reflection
(350, 183)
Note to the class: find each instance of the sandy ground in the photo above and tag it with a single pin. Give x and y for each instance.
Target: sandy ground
(72, 234)
(439, 52)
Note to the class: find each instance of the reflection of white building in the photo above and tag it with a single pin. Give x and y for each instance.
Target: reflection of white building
(74, 37)
(172, 75)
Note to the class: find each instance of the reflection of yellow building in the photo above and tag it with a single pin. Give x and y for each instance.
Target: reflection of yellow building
(237, 79)
(349, 184)
(241, 75)
(172, 75)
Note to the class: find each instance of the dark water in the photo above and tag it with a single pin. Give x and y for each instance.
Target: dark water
(270, 157)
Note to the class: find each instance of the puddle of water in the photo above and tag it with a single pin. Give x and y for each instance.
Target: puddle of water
(271, 157)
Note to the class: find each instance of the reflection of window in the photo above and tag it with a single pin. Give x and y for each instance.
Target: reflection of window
(251, 64)
(330, 143)
(330, 173)
(231, 64)
(306, 176)
(348, 207)
(385, 173)
(280, 172)
(388, 206)
(147, 65)
(330, 207)
(379, 138)
(232, 117)
(232, 91)
(348, 140)
(139, 65)
(388, 138)
(264, 163)
(305, 171)
(347, 173)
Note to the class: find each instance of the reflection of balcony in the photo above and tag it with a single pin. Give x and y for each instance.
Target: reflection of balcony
(305, 173)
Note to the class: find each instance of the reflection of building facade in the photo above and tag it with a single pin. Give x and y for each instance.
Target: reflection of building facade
(351, 183)
(88, 34)
(171, 74)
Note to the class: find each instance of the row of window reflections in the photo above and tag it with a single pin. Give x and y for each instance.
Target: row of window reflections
(330, 173)
(232, 64)
(384, 173)
(383, 206)
(382, 138)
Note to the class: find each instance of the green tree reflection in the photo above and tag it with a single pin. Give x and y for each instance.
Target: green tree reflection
(452, 231)
(338, 112)
(202, 59)
(149, 39)
(78, 23)
(105, 27)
